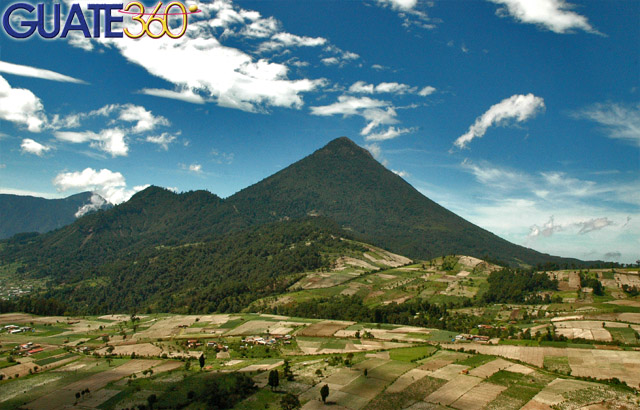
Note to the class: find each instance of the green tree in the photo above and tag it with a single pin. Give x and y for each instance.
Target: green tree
(289, 402)
(274, 379)
(201, 361)
(287, 373)
(324, 393)
(151, 400)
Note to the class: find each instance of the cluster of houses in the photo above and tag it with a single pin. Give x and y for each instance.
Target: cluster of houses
(28, 349)
(13, 329)
(195, 343)
(270, 340)
(465, 337)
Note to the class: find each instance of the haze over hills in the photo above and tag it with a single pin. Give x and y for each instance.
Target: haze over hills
(20, 214)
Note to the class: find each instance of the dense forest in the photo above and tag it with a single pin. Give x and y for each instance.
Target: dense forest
(413, 312)
(221, 275)
(517, 286)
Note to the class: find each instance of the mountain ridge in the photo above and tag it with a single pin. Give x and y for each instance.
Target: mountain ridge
(26, 213)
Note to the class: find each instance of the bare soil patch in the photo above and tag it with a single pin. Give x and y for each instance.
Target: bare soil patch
(323, 329)
(478, 397)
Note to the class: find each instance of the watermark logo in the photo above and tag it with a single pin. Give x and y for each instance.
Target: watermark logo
(154, 24)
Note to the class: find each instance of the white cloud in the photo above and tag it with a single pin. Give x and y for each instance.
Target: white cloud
(288, 40)
(163, 140)
(410, 12)
(195, 168)
(348, 105)
(404, 5)
(581, 227)
(27, 71)
(428, 90)
(595, 224)
(390, 133)
(95, 203)
(145, 120)
(395, 88)
(200, 63)
(402, 174)
(330, 61)
(185, 95)
(21, 106)
(124, 119)
(554, 15)
(376, 112)
(110, 140)
(108, 184)
(619, 121)
(375, 150)
(30, 146)
(518, 108)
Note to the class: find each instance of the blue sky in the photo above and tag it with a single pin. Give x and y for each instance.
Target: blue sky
(521, 116)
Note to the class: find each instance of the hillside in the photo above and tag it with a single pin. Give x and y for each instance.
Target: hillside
(224, 274)
(20, 214)
(149, 251)
(342, 181)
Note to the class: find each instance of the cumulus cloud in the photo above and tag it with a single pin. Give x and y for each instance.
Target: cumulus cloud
(402, 174)
(581, 227)
(375, 150)
(108, 184)
(404, 5)
(199, 62)
(411, 13)
(554, 15)
(428, 90)
(548, 229)
(162, 140)
(361, 87)
(95, 203)
(288, 40)
(593, 225)
(390, 133)
(145, 121)
(195, 168)
(618, 121)
(30, 146)
(110, 140)
(27, 71)
(375, 112)
(123, 119)
(21, 106)
(518, 108)
(330, 61)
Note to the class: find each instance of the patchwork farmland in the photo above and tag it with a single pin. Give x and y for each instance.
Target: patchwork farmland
(114, 362)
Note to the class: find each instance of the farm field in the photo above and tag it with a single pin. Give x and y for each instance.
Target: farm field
(114, 362)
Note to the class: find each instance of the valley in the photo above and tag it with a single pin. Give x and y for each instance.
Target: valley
(572, 350)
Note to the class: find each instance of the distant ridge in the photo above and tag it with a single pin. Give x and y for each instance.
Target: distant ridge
(20, 214)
